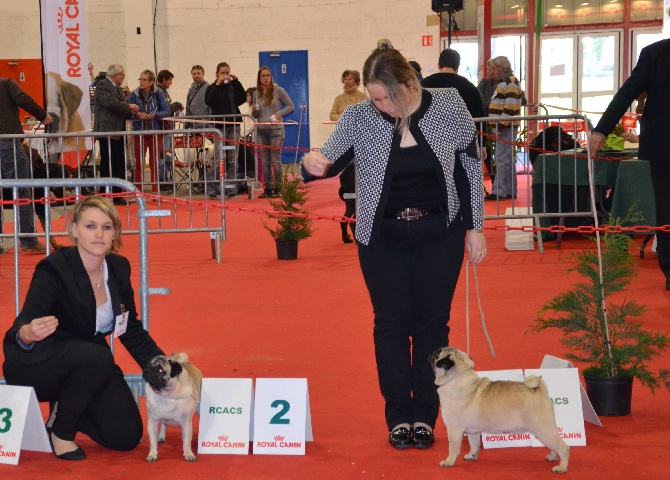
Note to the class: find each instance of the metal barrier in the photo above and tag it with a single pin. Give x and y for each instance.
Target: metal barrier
(134, 380)
(555, 184)
(189, 174)
(238, 151)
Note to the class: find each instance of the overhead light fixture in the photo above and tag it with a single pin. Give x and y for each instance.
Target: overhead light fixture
(585, 4)
(559, 5)
(515, 6)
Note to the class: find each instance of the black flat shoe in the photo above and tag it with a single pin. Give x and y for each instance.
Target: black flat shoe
(77, 454)
(400, 438)
(422, 437)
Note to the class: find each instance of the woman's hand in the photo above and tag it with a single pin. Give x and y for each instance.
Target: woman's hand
(274, 118)
(476, 243)
(316, 164)
(38, 329)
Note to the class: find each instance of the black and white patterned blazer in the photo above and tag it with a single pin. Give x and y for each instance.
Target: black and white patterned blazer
(443, 129)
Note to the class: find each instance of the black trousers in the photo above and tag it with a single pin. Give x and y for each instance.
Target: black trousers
(660, 179)
(112, 155)
(92, 395)
(411, 275)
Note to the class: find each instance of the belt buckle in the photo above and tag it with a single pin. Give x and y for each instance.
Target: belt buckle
(410, 214)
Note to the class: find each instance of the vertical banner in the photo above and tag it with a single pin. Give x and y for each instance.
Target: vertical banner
(66, 79)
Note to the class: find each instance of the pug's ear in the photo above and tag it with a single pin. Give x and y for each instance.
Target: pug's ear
(467, 360)
(175, 369)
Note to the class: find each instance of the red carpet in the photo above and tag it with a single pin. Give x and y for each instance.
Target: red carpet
(254, 316)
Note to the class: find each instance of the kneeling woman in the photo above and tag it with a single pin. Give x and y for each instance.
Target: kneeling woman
(57, 345)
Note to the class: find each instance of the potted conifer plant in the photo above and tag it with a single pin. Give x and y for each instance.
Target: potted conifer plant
(607, 337)
(291, 223)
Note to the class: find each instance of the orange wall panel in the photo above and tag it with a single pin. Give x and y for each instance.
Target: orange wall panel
(28, 73)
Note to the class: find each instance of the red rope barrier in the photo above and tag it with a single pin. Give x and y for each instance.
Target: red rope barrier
(205, 203)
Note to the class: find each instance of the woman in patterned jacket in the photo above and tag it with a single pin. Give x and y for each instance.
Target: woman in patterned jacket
(420, 203)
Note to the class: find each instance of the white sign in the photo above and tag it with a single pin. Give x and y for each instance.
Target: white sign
(282, 419)
(225, 415)
(588, 412)
(563, 385)
(21, 424)
(505, 439)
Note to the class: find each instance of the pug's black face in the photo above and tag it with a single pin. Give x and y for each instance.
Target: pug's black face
(442, 358)
(159, 371)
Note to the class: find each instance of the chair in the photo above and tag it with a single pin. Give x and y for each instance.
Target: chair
(188, 166)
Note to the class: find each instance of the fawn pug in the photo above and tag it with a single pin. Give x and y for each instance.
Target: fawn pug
(173, 397)
(471, 405)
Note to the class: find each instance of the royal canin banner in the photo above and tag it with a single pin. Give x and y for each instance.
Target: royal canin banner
(66, 78)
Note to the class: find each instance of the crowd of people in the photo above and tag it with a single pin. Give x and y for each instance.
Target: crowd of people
(218, 102)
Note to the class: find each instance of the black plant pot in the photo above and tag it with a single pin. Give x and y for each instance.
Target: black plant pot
(287, 249)
(610, 395)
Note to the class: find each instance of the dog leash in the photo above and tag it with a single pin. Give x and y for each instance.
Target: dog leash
(481, 310)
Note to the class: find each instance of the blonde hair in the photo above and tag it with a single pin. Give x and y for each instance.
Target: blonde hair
(388, 68)
(150, 74)
(107, 208)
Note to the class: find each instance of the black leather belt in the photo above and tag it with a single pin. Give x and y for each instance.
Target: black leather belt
(409, 214)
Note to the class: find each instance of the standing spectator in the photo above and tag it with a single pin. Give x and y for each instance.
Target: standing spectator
(164, 82)
(505, 103)
(448, 77)
(351, 79)
(420, 191)
(487, 88)
(248, 125)
(111, 112)
(224, 98)
(153, 107)
(651, 75)
(268, 110)
(195, 98)
(417, 68)
(13, 160)
(251, 158)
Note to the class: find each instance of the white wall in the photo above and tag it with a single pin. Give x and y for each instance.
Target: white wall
(338, 34)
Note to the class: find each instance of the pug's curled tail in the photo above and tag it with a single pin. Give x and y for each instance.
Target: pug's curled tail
(533, 381)
(179, 357)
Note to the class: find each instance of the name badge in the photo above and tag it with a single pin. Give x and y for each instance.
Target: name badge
(121, 324)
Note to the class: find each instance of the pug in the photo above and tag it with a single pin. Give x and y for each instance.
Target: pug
(173, 397)
(471, 405)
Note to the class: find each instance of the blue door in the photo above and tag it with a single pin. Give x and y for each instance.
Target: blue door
(289, 71)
